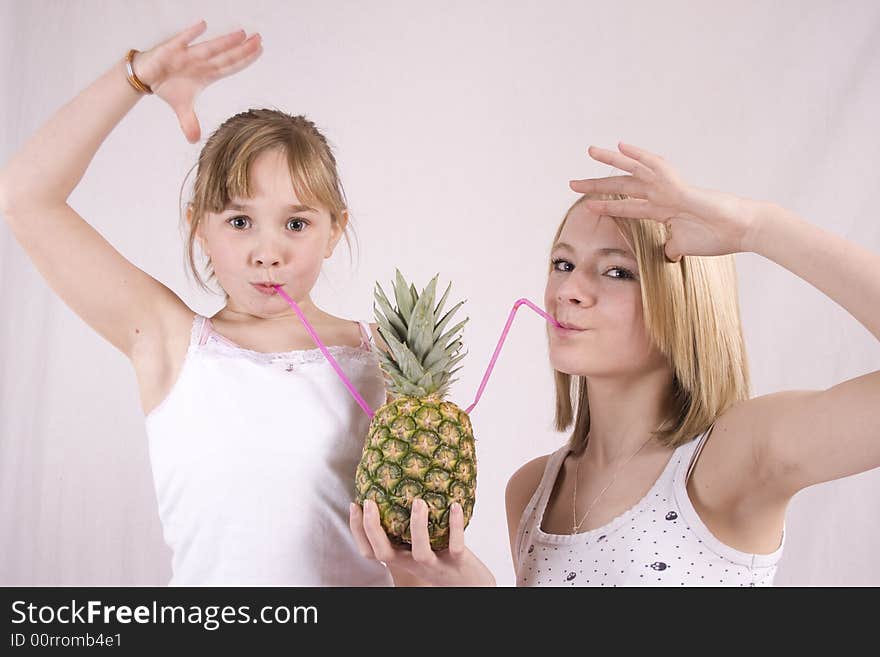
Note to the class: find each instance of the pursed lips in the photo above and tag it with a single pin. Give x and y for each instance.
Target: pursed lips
(267, 289)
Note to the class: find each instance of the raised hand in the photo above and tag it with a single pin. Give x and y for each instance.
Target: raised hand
(698, 221)
(454, 566)
(177, 72)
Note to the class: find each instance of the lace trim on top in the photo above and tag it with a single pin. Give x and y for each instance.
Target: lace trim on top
(207, 340)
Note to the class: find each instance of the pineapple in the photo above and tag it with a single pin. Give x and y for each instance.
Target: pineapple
(418, 444)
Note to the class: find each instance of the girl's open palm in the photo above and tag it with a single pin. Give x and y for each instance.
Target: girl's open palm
(177, 71)
(698, 221)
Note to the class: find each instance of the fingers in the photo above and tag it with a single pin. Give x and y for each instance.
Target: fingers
(240, 57)
(611, 185)
(356, 524)
(456, 530)
(620, 161)
(418, 529)
(649, 159)
(376, 536)
(215, 46)
(190, 33)
(633, 208)
(671, 252)
(674, 259)
(189, 124)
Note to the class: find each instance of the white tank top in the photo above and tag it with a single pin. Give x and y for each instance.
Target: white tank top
(254, 456)
(661, 541)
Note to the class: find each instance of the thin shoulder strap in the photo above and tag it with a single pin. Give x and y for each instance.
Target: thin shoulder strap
(201, 328)
(698, 451)
(366, 335)
(532, 514)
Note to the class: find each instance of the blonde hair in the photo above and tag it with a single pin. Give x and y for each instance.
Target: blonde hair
(224, 164)
(691, 313)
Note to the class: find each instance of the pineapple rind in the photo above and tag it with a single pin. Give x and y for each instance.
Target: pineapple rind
(426, 450)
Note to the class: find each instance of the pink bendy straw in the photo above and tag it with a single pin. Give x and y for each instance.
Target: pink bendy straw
(354, 392)
(360, 400)
(504, 333)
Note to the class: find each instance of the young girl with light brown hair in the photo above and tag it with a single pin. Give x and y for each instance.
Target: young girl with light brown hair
(253, 439)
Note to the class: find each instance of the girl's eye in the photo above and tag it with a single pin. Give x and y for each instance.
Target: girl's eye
(619, 272)
(622, 273)
(235, 222)
(242, 222)
(562, 265)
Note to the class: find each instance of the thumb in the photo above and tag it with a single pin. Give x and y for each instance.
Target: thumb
(189, 123)
(671, 251)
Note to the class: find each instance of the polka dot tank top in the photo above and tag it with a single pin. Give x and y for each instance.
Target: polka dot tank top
(660, 541)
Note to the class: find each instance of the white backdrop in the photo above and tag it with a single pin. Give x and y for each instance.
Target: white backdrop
(457, 128)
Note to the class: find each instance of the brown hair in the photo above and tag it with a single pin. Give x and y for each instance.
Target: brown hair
(691, 313)
(224, 165)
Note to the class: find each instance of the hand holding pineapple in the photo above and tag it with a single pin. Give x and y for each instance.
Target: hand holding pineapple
(454, 566)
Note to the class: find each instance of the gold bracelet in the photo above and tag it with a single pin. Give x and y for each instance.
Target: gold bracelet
(133, 80)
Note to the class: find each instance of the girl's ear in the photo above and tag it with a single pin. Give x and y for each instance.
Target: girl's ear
(337, 228)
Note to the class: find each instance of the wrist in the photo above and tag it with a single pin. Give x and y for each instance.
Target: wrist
(146, 69)
(760, 217)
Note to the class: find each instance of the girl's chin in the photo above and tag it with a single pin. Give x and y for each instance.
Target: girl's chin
(579, 364)
(572, 369)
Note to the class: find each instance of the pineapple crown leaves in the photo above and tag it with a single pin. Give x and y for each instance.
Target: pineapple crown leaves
(421, 355)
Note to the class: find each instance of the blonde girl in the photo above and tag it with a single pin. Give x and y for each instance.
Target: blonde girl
(672, 475)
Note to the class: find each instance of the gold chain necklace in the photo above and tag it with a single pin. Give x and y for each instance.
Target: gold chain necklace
(575, 525)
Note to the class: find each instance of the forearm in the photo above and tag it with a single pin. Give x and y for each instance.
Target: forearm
(52, 162)
(846, 272)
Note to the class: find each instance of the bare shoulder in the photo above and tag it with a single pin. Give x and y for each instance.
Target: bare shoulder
(523, 483)
(520, 487)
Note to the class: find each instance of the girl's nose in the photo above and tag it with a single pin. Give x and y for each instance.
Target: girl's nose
(267, 254)
(575, 292)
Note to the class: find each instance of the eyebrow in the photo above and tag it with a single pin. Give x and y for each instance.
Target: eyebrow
(603, 251)
(238, 207)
